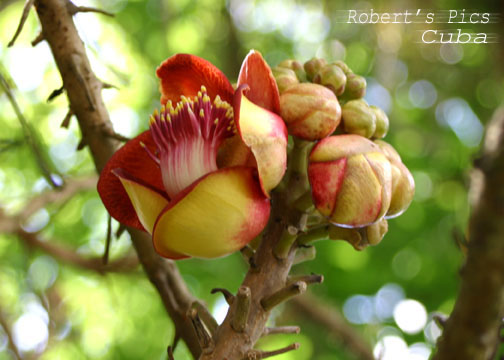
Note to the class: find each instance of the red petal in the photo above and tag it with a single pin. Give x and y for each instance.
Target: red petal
(183, 74)
(325, 180)
(263, 88)
(132, 159)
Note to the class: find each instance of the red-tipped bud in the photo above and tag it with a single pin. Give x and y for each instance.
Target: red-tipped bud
(313, 66)
(358, 118)
(382, 122)
(350, 179)
(310, 111)
(332, 77)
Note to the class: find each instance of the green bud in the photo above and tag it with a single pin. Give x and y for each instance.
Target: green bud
(284, 77)
(343, 67)
(313, 66)
(355, 87)
(332, 77)
(382, 122)
(358, 118)
(296, 66)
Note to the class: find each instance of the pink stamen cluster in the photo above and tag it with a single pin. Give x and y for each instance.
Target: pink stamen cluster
(187, 138)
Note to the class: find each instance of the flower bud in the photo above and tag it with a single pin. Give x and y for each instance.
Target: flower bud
(360, 238)
(388, 150)
(296, 66)
(376, 232)
(332, 77)
(358, 118)
(343, 67)
(403, 184)
(351, 180)
(284, 77)
(355, 87)
(382, 122)
(310, 111)
(313, 66)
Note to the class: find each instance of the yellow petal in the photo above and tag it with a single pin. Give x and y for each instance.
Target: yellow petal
(218, 215)
(147, 202)
(335, 147)
(266, 135)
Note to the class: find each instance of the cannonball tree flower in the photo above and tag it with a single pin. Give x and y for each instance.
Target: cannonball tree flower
(199, 179)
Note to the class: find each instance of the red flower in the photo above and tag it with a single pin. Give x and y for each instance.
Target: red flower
(199, 179)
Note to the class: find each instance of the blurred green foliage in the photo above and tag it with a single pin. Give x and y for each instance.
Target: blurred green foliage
(437, 98)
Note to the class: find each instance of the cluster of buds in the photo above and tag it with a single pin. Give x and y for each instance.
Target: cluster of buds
(357, 180)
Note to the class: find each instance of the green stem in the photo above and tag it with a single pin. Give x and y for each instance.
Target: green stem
(316, 234)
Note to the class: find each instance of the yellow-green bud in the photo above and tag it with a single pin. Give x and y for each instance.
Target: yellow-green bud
(343, 67)
(296, 66)
(332, 77)
(310, 111)
(360, 238)
(313, 66)
(403, 189)
(355, 87)
(358, 118)
(388, 150)
(403, 184)
(382, 122)
(376, 232)
(284, 77)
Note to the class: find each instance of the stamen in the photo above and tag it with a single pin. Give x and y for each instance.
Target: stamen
(151, 155)
(187, 136)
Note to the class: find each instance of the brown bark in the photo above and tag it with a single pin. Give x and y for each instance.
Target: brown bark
(266, 277)
(472, 331)
(84, 94)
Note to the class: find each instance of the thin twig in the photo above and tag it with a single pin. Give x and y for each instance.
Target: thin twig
(226, 293)
(108, 239)
(170, 353)
(66, 121)
(26, 10)
(74, 9)
(281, 330)
(308, 279)
(55, 93)
(69, 256)
(38, 39)
(258, 354)
(282, 295)
(29, 135)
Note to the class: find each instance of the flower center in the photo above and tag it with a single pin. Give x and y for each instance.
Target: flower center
(187, 138)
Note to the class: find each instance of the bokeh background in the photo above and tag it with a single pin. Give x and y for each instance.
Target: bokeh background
(438, 98)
